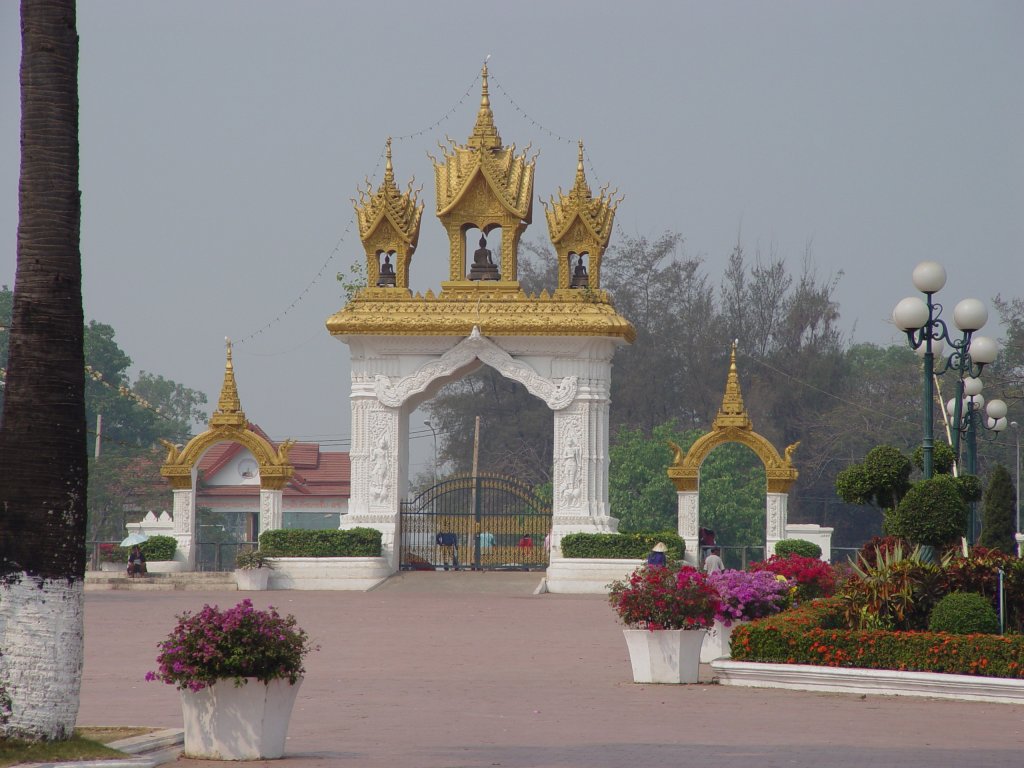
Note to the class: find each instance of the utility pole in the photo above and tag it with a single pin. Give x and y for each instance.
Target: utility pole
(99, 435)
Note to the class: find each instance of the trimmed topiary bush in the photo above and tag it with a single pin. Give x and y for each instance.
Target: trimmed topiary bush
(800, 547)
(158, 548)
(355, 542)
(622, 546)
(933, 513)
(964, 613)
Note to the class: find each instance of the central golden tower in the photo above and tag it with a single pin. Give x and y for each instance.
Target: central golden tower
(484, 187)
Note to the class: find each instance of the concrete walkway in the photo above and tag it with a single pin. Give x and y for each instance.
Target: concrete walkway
(439, 670)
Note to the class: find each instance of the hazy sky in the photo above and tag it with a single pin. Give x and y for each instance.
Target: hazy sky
(221, 142)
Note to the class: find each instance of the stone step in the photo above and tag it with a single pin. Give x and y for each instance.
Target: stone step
(201, 580)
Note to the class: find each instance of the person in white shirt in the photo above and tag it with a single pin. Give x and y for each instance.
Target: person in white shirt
(713, 562)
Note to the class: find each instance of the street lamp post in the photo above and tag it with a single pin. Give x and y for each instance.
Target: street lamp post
(1016, 429)
(928, 333)
(434, 431)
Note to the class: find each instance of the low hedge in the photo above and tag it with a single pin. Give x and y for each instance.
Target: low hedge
(800, 547)
(622, 546)
(808, 635)
(354, 542)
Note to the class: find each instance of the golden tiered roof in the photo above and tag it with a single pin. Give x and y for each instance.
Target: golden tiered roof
(229, 411)
(481, 185)
(510, 177)
(400, 209)
(597, 214)
(732, 412)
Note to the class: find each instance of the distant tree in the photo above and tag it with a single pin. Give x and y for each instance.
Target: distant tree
(640, 493)
(42, 427)
(998, 514)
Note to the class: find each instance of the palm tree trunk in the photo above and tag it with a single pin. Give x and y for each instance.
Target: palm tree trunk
(42, 432)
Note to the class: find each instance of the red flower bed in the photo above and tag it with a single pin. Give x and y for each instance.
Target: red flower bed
(808, 635)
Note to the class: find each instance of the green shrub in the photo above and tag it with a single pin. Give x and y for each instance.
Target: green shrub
(807, 635)
(355, 542)
(933, 513)
(624, 546)
(250, 560)
(964, 613)
(158, 548)
(800, 547)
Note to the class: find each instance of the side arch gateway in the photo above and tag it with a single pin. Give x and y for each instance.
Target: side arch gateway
(227, 425)
(405, 346)
(732, 425)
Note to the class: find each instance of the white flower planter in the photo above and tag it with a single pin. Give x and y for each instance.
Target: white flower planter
(252, 578)
(665, 655)
(224, 722)
(716, 644)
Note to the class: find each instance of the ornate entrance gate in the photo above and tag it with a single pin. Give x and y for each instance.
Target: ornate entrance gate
(487, 522)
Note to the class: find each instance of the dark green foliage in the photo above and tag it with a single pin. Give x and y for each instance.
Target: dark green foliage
(355, 542)
(964, 613)
(933, 512)
(881, 479)
(250, 560)
(998, 516)
(159, 548)
(808, 635)
(626, 546)
(800, 547)
(943, 458)
(970, 487)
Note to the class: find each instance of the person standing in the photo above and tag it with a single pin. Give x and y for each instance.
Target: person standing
(713, 562)
(657, 554)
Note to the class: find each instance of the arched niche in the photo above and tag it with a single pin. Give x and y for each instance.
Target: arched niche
(227, 425)
(732, 425)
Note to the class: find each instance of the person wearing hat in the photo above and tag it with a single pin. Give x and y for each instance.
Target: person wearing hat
(657, 555)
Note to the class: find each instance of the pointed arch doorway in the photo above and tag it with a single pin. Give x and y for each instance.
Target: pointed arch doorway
(732, 425)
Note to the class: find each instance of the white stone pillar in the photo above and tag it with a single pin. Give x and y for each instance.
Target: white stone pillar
(375, 458)
(271, 510)
(689, 525)
(185, 524)
(775, 530)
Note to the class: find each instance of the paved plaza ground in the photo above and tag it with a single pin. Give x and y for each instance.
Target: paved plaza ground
(459, 670)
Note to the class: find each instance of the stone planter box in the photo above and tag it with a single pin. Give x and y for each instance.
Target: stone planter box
(665, 655)
(716, 644)
(588, 576)
(249, 722)
(339, 573)
(252, 579)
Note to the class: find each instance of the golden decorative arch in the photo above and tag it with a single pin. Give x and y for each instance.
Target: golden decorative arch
(733, 425)
(228, 425)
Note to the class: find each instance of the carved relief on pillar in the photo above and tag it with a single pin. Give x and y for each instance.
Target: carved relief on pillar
(569, 461)
(776, 503)
(689, 514)
(382, 458)
(271, 510)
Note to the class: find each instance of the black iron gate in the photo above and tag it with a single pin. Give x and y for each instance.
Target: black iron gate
(487, 522)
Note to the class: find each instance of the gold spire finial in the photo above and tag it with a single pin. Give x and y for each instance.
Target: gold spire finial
(732, 412)
(229, 406)
(485, 134)
(389, 171)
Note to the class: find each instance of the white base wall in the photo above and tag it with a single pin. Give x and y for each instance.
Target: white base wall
(587, 576)
(806, 677)
(339, 573)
